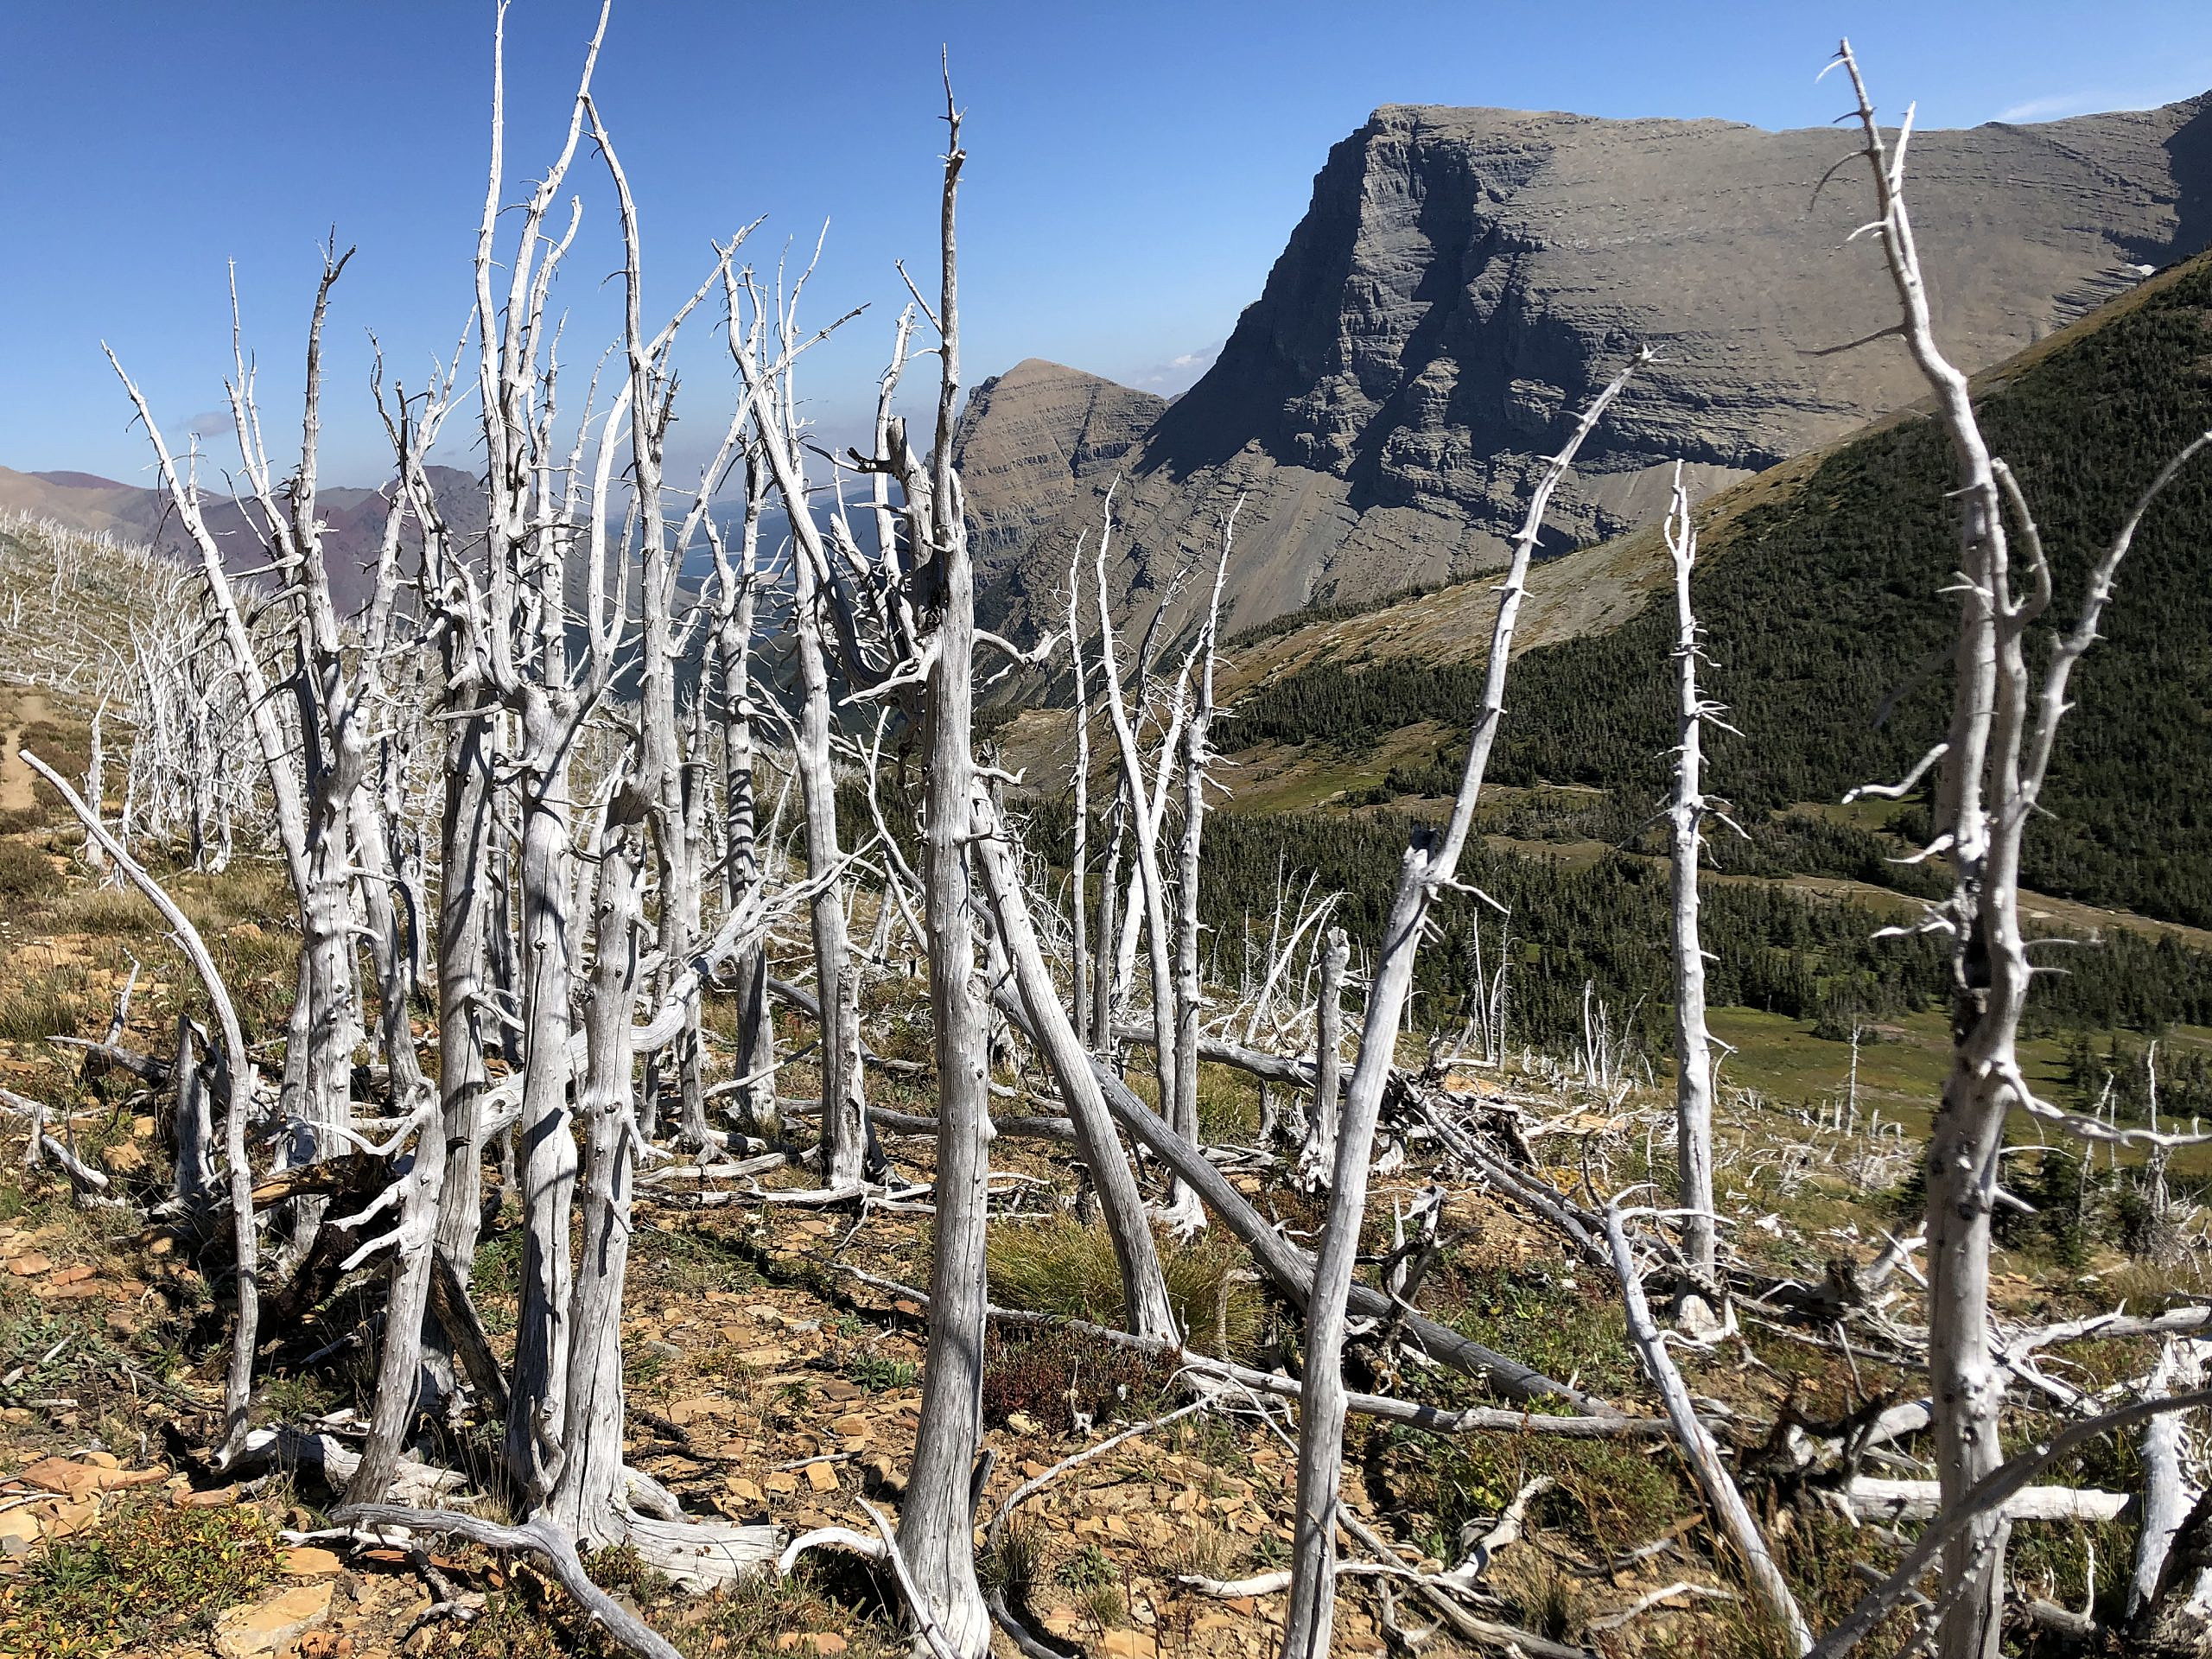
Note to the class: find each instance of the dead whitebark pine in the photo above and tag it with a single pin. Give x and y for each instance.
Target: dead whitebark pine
(1989, 774)
(1431, 865)
(1701, 1307)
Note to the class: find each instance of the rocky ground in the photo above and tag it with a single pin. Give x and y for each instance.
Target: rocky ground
(773, 1365)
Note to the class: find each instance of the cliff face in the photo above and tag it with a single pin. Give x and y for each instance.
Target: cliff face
(1029, 436)
(1465, 279)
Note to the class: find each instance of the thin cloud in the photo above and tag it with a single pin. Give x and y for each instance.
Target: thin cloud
(1178, 373)
(2056, 106)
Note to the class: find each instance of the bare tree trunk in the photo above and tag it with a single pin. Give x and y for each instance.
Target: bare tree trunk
(2169, 1493)
(1693, 1052)
(467, 898)
(1105, 1007)
(1150, 885)
(1990, 773)
(1699, 1447)
(420, 1184)
(735, 591)
(936, 1525)
(588, 1498)
(1317, 1159)
(1079, 964)
(194, 1186)
(1187, 1212)
(844, 1134)
(546, 1153)
(1144, 1288)
(1430, 864)
(234, 1075)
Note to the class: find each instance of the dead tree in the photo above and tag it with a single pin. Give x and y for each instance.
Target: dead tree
(550, 677)
(1990, 770)
(1431, 865)
(312, 771)
(1144, 1287)
(780, 439)
(1317, 1157)
(735, 599)
(1198, 731)
(937, 1526)
(234, 1077)
(1145, 800)
(1686, 814)
(1079, 963)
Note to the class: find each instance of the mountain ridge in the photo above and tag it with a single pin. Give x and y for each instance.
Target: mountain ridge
(1464, 279)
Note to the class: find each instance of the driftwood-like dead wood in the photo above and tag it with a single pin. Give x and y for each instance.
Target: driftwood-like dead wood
(1437, 1420)
(538, 1538)
(1989, 1494)
(1698, 1446)
(1292, 1268)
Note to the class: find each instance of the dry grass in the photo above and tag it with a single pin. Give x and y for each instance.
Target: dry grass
(1062, 1267)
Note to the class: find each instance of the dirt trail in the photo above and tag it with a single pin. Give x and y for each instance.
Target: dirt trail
(17, 791)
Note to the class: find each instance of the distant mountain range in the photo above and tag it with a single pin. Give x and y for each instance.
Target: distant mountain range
(1465, 279)
(352, 519)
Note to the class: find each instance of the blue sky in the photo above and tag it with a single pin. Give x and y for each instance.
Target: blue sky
(1134, 168)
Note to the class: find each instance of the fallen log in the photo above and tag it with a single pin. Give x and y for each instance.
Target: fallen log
(1870, 1498)
(1292, 1268)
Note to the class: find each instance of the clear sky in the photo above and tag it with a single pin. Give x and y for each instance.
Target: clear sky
(1134, 168)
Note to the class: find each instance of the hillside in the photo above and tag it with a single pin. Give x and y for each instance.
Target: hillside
(352, 519)
(1818, 584)
(1462, 277)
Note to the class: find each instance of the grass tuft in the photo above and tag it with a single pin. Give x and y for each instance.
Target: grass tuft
(1062, 1267)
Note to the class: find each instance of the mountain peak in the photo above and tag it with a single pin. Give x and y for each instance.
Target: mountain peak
(1030, 436)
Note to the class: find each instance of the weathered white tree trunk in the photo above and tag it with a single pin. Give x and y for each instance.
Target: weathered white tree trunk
(588, 1499)
(1692, 1049)
(1431, 863)
(2170, 1491)
(735, 596)
(779, 427)
(1699, 1448)
(1105, 1003)
(1990, 771)
(1185, 1212)
(1149, 886)
(1144, 1288)
(235, 1076)
(936, 1525)
(1316, 1158)
(1079, 964)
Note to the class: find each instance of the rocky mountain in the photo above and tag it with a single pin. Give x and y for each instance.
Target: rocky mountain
(1464, 279)
(352, 519)
(1028, 437)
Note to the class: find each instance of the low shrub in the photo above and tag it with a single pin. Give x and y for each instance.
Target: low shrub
(1050, 1373)
(26, 873)
(154, 1574)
